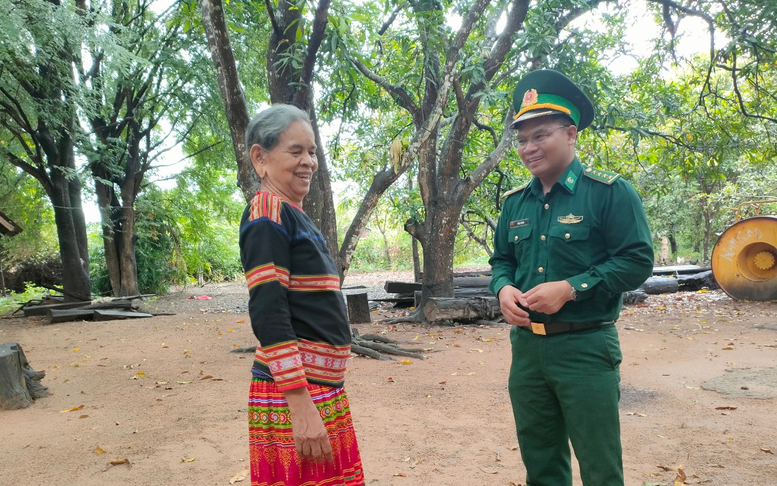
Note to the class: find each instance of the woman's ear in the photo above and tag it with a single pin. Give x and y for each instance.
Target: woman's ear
(257, 156)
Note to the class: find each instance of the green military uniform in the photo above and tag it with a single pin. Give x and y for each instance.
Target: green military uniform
(589, 229)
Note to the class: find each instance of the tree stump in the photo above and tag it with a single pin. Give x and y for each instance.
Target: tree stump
(19, 383)
(358, 308)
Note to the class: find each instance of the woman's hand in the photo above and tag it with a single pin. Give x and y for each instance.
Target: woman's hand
(310, 437)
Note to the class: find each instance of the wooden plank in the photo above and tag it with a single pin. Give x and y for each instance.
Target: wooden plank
(394, 287)
(112, 315)
(67, 315)
(469, 282)
(42, 309)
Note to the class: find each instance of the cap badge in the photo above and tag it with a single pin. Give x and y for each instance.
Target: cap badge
(529, 98)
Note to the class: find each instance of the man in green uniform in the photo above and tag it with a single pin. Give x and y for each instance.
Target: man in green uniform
(567, 245)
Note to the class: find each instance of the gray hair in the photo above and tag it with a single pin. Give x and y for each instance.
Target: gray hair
(265, 129)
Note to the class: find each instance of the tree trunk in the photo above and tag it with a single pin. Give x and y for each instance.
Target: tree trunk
(416, 260)
(380, 183)
(69, 217)
(232, 93)
(128, 258)
(319, 204)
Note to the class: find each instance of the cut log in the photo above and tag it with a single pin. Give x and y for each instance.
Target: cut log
(67, 315)
(659, 285)
(697, 281)
(634, 297)
(112, 315)
(456, 309)
(19, 383)
(358, 308)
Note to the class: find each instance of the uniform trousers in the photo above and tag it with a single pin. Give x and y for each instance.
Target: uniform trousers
(565, 387)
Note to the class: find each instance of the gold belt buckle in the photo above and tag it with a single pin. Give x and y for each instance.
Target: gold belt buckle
(538, 328)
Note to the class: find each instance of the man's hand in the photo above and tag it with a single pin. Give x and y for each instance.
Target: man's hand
(310, 437)
(509, 298)
(548, 297)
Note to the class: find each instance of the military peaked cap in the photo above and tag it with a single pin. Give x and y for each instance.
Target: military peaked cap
(548, 92)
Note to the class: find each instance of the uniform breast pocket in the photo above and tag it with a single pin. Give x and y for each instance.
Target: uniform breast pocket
(570, 245)
(519, 238)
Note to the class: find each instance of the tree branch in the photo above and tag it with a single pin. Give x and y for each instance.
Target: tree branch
(398, 92)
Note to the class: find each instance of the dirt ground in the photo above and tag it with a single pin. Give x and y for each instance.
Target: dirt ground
(167, 396)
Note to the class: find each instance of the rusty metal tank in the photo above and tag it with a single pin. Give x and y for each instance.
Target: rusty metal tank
(744, 260)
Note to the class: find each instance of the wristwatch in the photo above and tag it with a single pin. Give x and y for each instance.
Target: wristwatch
(573, 295)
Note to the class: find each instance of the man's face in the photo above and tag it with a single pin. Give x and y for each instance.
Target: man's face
(546, 146)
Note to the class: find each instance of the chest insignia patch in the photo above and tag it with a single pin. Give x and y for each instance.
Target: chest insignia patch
(519, 223)
(569, 219)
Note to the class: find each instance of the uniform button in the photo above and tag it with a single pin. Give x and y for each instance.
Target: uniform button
(567, 236)
(542, 237)
(516, 238)
(547, 206)
(585, 285)
(540, 269)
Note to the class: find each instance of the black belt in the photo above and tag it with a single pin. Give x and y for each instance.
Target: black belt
(545, 328)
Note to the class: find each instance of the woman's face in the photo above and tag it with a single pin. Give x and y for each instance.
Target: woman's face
(287, 168)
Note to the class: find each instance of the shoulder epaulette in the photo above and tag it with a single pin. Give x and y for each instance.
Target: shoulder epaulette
(603, 176)
(514, 191)
(266, 205)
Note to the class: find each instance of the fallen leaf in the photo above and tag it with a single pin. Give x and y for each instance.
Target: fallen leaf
(206, 377)
(184, 382)
(84, 416)
(390, 379)
(119, 461)
(72, 409)
(190, 459)
(405, 362)
(725, 408)
(768, 451)
(239, 476)
(99, 450)
(76, 350)
(399, 475)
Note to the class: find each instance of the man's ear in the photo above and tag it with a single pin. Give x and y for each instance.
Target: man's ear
(571, 132)
(257, 156)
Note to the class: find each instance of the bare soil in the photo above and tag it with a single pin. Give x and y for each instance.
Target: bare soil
(164, 399)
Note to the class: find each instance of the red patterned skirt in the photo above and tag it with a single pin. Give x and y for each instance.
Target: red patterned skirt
(274, 460)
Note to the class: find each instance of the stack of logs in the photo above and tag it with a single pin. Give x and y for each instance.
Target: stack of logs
(473, 302)
(56, 310)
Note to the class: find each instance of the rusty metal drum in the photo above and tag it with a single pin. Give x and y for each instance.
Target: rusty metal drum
(744, 260)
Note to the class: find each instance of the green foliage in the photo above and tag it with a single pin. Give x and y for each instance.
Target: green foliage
(23, 200)
(14, 300)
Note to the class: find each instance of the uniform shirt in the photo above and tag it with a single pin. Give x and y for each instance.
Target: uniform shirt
(590, 230)
(295, 304)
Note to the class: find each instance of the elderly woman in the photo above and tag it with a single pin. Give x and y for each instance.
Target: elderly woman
(300, 427)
